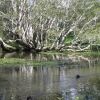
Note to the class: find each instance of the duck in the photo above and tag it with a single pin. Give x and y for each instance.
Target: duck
(29, 98)
(77, 76)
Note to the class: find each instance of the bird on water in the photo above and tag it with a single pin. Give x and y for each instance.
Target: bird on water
(29, 98)
(77, 76)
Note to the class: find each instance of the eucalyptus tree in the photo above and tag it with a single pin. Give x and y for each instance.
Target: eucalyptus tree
(46, 24)
(81, 15)
(17, 22)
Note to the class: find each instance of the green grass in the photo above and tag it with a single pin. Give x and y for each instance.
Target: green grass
(17, 61)
(65, 53)
(89, 54)
(52, 52)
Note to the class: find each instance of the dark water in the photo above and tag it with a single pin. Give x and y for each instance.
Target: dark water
(57, 81)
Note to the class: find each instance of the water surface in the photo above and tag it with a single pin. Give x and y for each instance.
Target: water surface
(51, 82)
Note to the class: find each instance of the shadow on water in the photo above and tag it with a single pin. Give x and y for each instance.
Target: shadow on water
(71, 78)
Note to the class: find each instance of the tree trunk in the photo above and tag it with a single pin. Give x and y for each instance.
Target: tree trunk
(6, 47)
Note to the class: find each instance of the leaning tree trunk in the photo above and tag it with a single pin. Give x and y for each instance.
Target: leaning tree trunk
(6, 47)
(21, 22)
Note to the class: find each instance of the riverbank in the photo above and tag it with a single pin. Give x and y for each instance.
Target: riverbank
(42, 58)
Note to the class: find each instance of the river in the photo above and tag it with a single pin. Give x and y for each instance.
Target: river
(71, 77)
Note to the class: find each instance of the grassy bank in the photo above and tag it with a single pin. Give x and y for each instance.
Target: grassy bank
(18, 61)
(89, 54)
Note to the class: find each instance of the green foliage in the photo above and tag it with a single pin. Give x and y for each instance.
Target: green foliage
(68, 40)
(55, 12)
(95, 47)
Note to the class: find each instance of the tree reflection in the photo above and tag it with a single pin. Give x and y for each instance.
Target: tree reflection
(52, 83)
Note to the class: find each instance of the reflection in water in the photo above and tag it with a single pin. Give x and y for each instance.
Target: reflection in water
(57, 82)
